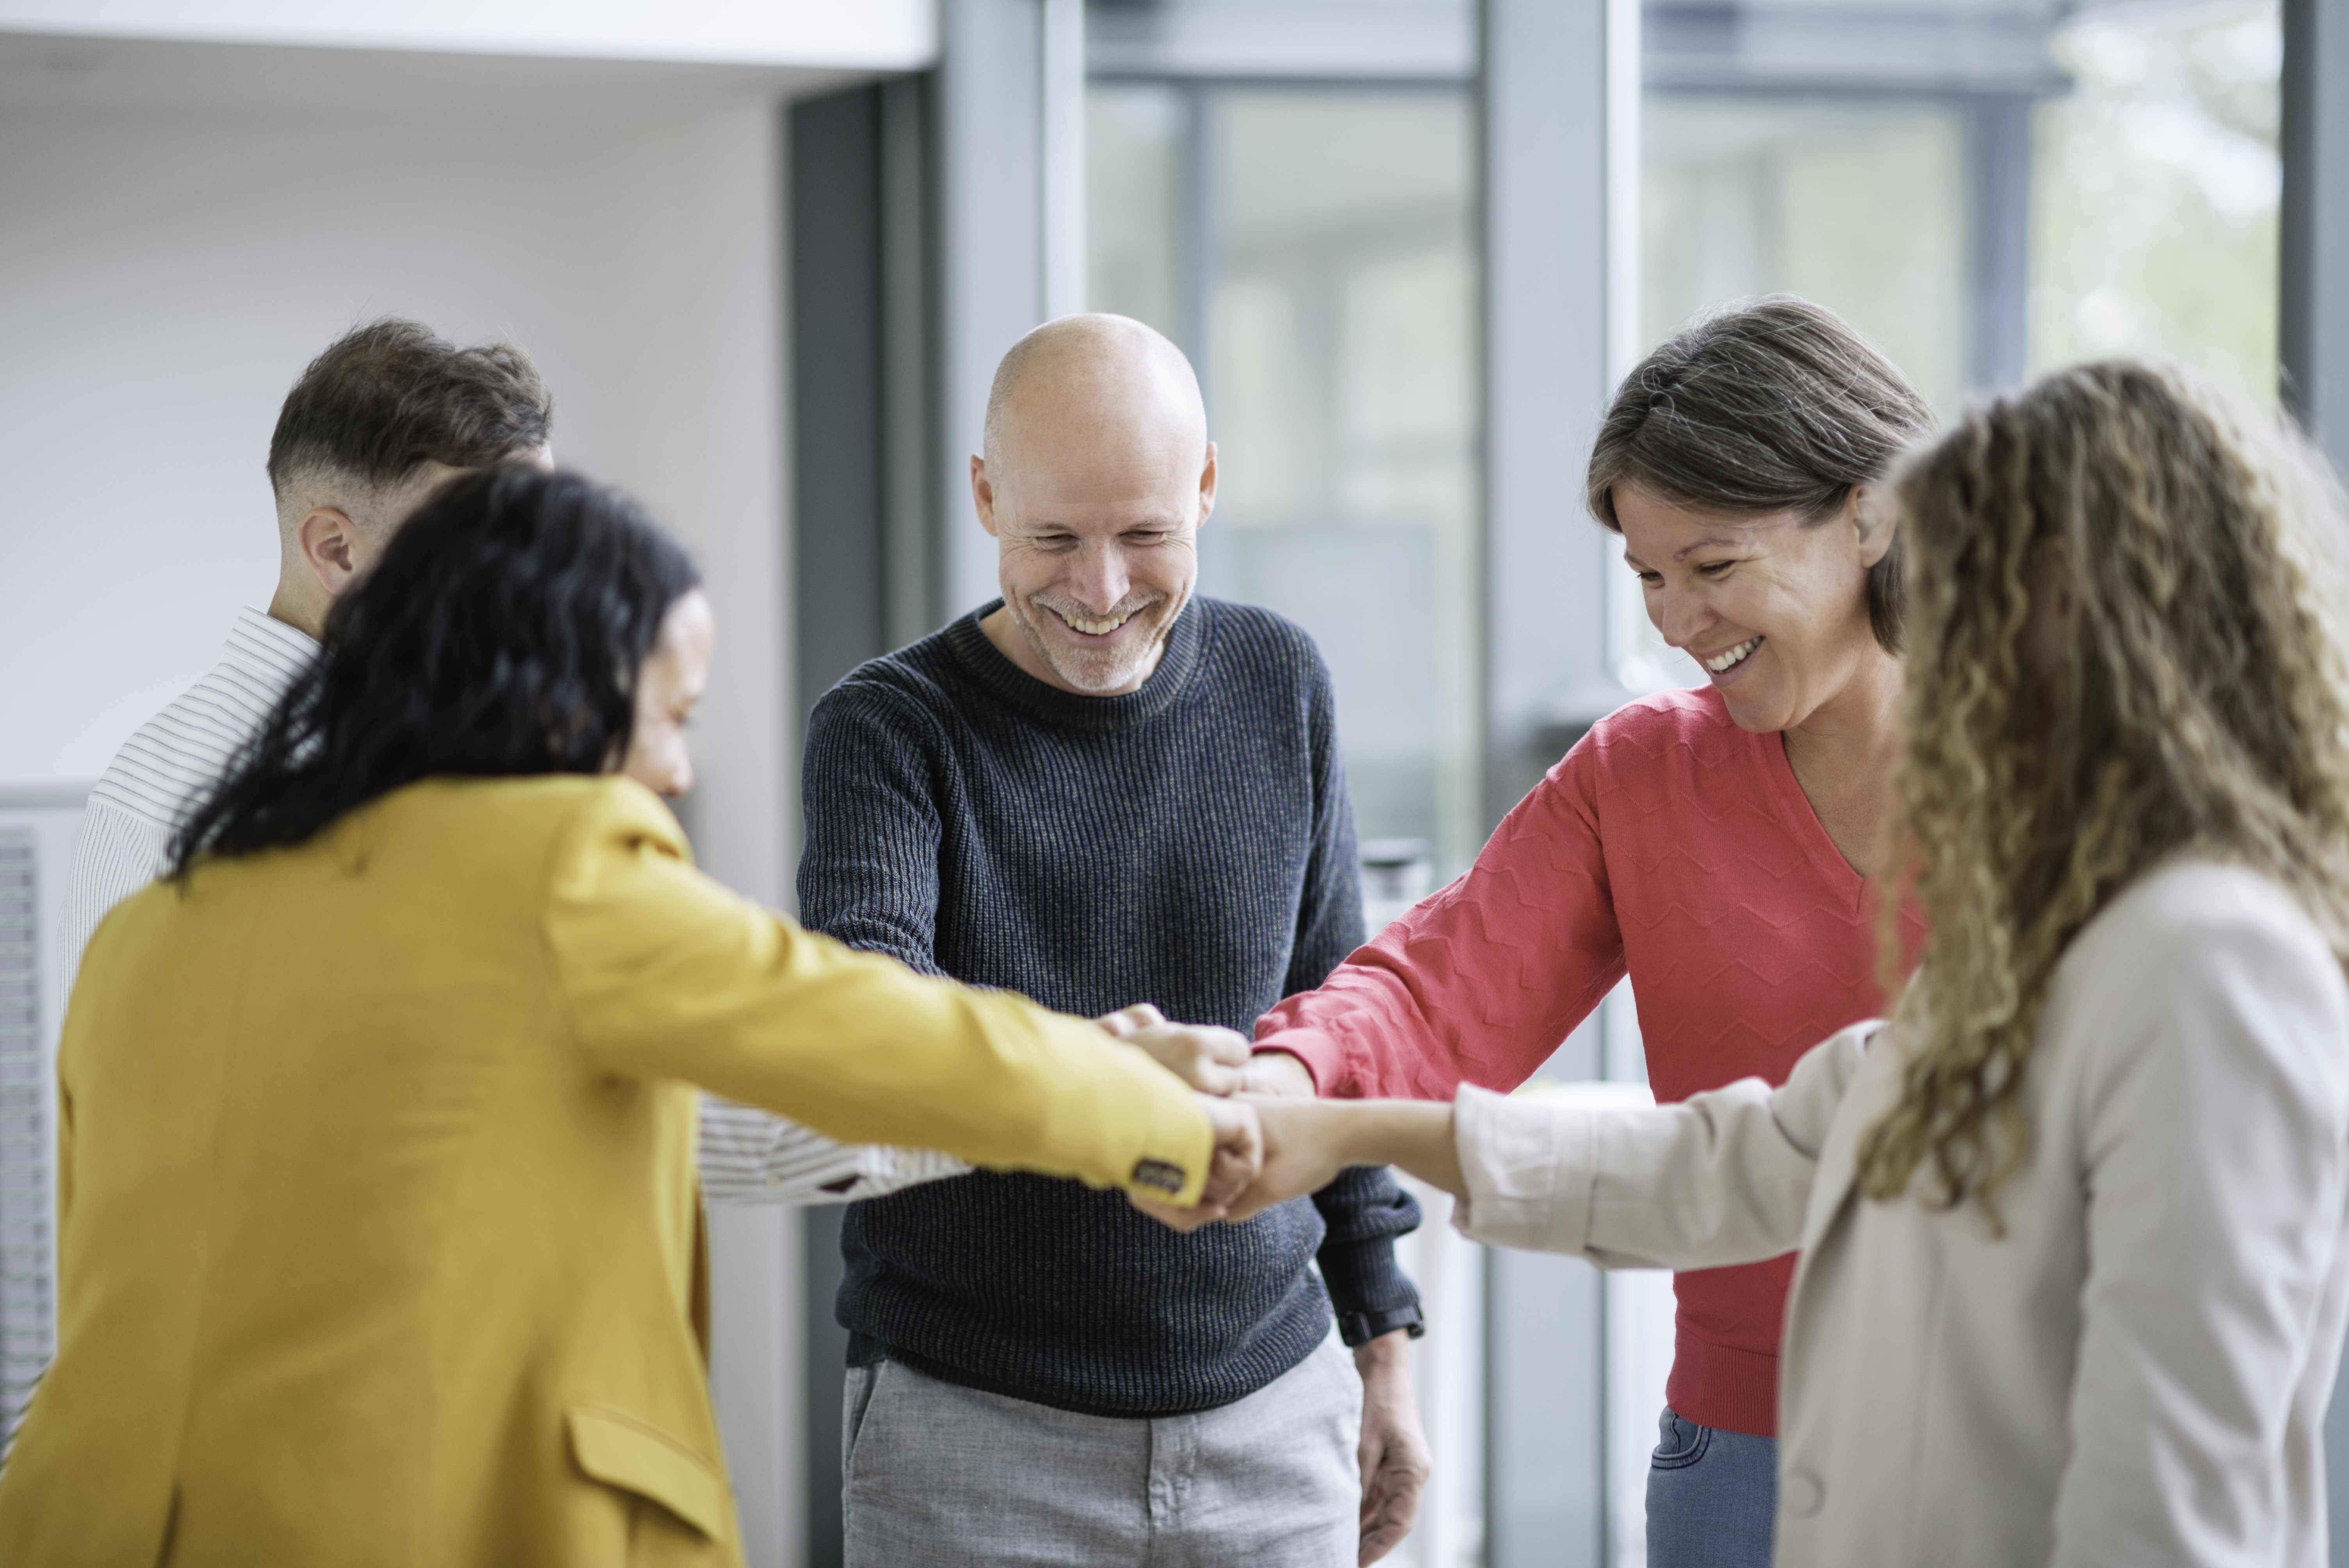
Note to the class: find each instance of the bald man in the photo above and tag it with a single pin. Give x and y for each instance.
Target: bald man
(1103, 790)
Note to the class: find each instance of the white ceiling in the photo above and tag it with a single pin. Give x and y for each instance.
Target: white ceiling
(856, 34)
(522, 58)
(140, 75)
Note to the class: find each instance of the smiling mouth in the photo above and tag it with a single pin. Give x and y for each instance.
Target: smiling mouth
(1096, 627)
(1730, 658)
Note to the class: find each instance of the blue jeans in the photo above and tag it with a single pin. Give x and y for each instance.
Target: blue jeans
(1713, 1497)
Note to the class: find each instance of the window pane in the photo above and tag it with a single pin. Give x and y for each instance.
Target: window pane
(1341, 366)
(1858, 205)
(2158, 183)
(1134, 152)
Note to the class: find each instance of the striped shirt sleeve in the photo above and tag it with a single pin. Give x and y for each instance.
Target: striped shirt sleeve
(752, 1156)
(115, 854)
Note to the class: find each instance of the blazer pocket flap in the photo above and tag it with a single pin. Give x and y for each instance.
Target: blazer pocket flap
(622, 1451)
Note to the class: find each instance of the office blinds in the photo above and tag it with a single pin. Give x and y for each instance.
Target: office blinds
(25, 1254)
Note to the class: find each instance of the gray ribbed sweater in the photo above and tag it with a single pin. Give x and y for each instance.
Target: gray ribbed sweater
(1190, 844)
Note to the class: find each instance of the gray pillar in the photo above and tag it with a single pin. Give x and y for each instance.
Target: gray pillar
(990, 174)
(2313, 343)
(1546, 287)
(2000, 152)
(2314, 282)
(1547, 134)
(909, 365)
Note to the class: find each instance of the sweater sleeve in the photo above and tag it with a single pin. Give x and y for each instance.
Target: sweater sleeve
(868, 871)
(1365, 1209)
(1362, 1212)
(665, 974)
(1330, 915)
(1485, 979)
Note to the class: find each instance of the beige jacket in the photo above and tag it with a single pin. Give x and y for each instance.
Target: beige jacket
(2136, 1372)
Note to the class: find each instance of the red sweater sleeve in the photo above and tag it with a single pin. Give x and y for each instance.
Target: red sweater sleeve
(1483, 980)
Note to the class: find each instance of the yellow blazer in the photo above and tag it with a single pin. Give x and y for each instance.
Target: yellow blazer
(379, 1238)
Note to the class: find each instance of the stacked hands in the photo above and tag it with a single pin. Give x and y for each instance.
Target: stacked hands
(1274, 1141)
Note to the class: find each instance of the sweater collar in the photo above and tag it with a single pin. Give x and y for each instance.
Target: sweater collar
(1072, 710)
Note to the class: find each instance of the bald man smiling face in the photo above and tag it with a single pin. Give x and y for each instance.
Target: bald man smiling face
(1097, 475)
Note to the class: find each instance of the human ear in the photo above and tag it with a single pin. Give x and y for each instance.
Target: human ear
(982, 494)
(1207, 484)
(332, 545)
(1871, 528)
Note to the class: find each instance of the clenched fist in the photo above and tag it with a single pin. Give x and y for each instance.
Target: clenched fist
(1208, 1059)
(1237, 1161)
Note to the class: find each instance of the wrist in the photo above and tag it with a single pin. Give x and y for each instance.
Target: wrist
(1275, 1070)
(1421, 1139)
(1388, 1131)
(1388, 1354)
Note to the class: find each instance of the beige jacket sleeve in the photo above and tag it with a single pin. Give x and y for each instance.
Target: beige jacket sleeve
(1721, 1177)
(665, 974)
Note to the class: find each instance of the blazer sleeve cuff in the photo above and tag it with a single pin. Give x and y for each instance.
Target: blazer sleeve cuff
(1528, 1169)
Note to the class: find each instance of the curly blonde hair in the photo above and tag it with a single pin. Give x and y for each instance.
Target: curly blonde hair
(2199, 707)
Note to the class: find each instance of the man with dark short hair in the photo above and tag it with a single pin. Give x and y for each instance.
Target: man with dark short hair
(386, 416)
(1103, 791)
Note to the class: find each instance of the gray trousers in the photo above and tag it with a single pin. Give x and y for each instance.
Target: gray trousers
(936, 1474)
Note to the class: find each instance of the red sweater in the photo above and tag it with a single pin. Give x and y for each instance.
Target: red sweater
(1668, 844)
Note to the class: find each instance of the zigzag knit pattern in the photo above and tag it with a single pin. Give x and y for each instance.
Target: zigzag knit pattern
(1668, 844)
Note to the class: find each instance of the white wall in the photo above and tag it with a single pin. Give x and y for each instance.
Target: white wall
(164, 278)
(162, 282)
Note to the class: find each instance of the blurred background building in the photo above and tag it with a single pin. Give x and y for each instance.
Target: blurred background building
(767, 255)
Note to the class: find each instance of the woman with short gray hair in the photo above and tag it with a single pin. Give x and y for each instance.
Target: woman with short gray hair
(1718, 845)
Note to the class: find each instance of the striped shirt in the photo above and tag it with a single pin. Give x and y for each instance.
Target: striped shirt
(747, 1154)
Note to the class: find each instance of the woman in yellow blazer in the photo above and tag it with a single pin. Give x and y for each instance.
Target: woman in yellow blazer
(378, 1234)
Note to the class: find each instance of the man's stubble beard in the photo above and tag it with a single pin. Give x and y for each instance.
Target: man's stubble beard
(1094, 673)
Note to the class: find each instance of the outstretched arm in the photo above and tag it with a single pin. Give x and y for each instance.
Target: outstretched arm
(1307, 1142)
(1722, 1178)
(1481, 981)
(667, 974)
(753, 1156)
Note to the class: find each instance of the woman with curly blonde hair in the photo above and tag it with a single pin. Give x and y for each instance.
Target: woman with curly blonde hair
(2073, 1282)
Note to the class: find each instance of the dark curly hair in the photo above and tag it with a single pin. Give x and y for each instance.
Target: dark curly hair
(499, 636)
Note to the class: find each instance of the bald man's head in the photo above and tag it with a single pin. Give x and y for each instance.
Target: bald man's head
(1095, 373)
(1096, 475)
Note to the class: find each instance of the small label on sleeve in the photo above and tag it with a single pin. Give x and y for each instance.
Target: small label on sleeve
(1164, 1175)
